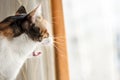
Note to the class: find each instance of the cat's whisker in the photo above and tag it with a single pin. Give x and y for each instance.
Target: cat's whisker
(56, 17)
(57, 11)
(59, 40)
(54, 23)
(59, 50)
(57, 36)
(58, 43)
(60, 47)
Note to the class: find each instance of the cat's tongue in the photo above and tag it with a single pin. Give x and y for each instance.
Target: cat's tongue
(36, 53)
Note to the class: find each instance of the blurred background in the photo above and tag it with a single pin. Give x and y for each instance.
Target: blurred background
(93, 39)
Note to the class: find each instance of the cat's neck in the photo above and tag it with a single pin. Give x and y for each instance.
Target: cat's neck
(22, 45)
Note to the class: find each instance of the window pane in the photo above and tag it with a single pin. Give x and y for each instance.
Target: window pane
(91, 37)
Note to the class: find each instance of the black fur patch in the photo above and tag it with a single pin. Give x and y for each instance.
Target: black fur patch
(14, 26)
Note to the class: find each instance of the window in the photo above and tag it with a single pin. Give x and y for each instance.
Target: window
(91, 38)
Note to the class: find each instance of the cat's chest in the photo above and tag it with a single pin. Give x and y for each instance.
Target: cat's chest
(20, 46)
(13, 53)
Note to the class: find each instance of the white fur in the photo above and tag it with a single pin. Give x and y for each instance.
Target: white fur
(13, 53)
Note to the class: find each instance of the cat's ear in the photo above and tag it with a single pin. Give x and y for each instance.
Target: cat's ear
(21, 10)
(34, 14)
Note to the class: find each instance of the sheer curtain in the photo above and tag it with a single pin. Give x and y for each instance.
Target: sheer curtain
(37, 68)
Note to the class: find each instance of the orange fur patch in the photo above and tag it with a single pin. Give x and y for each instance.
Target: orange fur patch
(8, 33)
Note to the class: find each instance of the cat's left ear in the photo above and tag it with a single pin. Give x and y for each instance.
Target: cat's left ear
(34, 14)
(21, 10)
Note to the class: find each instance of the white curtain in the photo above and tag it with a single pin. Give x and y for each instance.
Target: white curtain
(37, 68)
(91, 27)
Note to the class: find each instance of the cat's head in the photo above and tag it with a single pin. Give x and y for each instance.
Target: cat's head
(32, 24)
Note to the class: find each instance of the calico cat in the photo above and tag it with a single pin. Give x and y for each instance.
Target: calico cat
(19, 36)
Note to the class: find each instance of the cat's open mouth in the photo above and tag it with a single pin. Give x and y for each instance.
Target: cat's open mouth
(36, 53)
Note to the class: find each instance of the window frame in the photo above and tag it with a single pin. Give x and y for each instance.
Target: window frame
(61, 62)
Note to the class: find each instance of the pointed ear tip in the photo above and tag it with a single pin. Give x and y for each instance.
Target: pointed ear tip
(21, 10)
(22, 6)
(38, 7)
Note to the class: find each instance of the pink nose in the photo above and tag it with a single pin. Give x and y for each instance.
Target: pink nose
(46, 35)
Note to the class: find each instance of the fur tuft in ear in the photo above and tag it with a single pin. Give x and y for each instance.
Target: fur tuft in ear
(35, 13)
(21, 10)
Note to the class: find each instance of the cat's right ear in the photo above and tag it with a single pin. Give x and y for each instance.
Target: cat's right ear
(35, 13)
(21, 10)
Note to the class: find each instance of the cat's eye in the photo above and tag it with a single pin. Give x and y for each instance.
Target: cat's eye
(36, 29)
